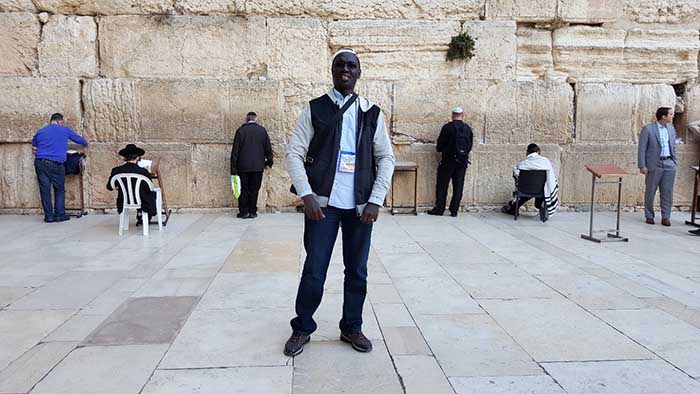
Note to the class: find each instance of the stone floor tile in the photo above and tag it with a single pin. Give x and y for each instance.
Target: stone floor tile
(504, 286)
(329, 314)
(405, 341)
(22, 330)
(77, 328)
(411, 265)
(143, 321)
(435, 295)
(251, 290)
(622, 377)
(231, 338)
(8, 294)
(103, 369)
(676, 309)
(592, 293)
(70, 291)
(383, 294)
(248, 380)
(464, 346)
(674, 340)
(28, 370)
(264, 256)
(178, 287)
(559, 330)
(334, 367)
(393, 315)
(541, 384)
(422, 375)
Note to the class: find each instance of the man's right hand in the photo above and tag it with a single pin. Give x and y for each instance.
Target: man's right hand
(311, 208)
(643, 170)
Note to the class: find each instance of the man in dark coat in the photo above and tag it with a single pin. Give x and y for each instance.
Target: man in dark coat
(250, 155)
(132, 154)
(455, 143)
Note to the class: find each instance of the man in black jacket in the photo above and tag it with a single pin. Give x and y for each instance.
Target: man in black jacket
(455, 142)
(250, 155)
(132, 154)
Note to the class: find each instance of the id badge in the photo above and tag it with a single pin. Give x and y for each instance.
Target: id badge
(347, 162)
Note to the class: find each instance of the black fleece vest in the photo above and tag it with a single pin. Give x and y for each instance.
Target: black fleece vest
(322, 158)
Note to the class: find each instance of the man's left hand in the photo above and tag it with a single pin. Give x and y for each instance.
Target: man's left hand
(370, 213)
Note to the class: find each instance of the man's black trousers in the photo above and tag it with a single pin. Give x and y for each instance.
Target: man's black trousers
(446, 172)
(250, 186)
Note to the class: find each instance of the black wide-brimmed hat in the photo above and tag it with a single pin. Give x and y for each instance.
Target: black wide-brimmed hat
(131, 150)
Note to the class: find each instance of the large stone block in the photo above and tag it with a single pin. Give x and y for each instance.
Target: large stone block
(26, 104)
(595, 54)
(671, 12)
(692, 110)
(210, 6)
(177, 110)
(18, 184)
(499, 113)
(618, 111)
(493, 166)
(522, 10)
(17, 6)
(588, 11)
(104, 7)
(175, 167)
(18, 43)
(427, 159)
(495, 50)
(68, 47)
(534, 53)
(277, 183)
(308, 37)
(368, 9)
(211, 165)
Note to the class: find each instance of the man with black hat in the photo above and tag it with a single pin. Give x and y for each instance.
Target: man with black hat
(132, 154)
(340, 162)
(250, 155)
(455, 143)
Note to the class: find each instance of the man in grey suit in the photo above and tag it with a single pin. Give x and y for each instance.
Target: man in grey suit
(657, 161)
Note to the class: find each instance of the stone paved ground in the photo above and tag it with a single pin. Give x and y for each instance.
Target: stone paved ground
(474, 305)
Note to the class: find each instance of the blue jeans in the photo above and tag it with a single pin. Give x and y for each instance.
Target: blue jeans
(319, 238)
(51, 173)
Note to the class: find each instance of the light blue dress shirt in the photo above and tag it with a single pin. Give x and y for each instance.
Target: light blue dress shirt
(343, 191)
(663, 139)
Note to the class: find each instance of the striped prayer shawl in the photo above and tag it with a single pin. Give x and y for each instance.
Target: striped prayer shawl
(551, 188)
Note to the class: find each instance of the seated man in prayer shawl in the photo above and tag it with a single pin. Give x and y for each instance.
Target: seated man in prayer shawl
(551, 188)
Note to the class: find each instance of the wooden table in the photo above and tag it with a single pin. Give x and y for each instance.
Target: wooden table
(156, 174)
(606, 171)
(694, 204)
(406, 166)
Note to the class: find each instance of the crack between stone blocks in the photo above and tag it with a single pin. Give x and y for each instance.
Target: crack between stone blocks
(98, 54)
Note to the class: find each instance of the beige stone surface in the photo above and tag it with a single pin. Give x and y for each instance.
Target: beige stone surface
(588, 11)
(648, 98)
(670, 12)
(18, 185)
(368, 9)
(211, 165)
(545, 112)
(522, 10)
(104, 7)
(68, 47)
(210, 6)
(17, 6)
(26, 104)
(111, 110)
(18, 43)
(307, 39)
(534, 53)
(600, 54)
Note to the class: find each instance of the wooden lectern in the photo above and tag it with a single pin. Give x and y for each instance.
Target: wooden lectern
(606, 171)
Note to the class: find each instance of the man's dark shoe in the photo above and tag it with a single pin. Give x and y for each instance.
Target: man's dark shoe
(695, 232)
(650, 221)
(666, 222)
(434, 212)
(453, 214)
(252, 216)
(242, 215)
(49, 220)
(358, 341)
(295, 344)
(63, 219)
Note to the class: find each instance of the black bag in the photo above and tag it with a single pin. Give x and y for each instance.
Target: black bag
(462, 144)
(72, 163)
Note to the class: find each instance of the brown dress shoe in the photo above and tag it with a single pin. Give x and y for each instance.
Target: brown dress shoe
(650, 221)
(666, 222)
(358, 341)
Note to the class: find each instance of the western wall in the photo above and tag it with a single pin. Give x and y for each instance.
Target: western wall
(579, 77)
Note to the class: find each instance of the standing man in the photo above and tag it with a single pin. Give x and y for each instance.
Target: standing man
(340, 161)
(250, 155)
(455, 142)
(657, 161)
(49, 145)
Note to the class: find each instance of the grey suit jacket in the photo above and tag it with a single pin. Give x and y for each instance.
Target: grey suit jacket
(650, 146)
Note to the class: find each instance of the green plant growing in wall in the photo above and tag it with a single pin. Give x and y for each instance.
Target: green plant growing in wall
(461, 47)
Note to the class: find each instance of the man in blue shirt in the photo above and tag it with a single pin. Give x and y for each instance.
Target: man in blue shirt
(49, 145)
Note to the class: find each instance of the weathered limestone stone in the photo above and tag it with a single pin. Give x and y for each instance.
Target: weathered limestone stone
(367, 9)
(495, 50)
(522, 10)
(296, 95)
(588, 11)
(18, 184)
(210, 6)
(68, 47)
(176, 169)
(592, 54)
(27, 104)
(618, 111)
(308, 37)
(212, 173)
(17, 6)
(672, 12)
(534, 53)
(111, 110)
(493, 169)
(276, 181)
(692, 110)
(545, 112)
(104, 7)
(18, 43)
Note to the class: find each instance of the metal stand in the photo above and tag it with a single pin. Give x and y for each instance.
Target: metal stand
(696, 199)
(406, 166)
(612, 235)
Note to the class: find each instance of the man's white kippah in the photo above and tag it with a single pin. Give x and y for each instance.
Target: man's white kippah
(457, 110)
(343, 50)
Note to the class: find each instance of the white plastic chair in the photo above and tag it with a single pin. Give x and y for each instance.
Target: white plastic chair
(132, 199)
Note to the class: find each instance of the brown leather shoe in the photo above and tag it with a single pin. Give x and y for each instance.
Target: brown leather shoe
(295, 344)
(358, 341)
(666, 222)
(650, 221)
